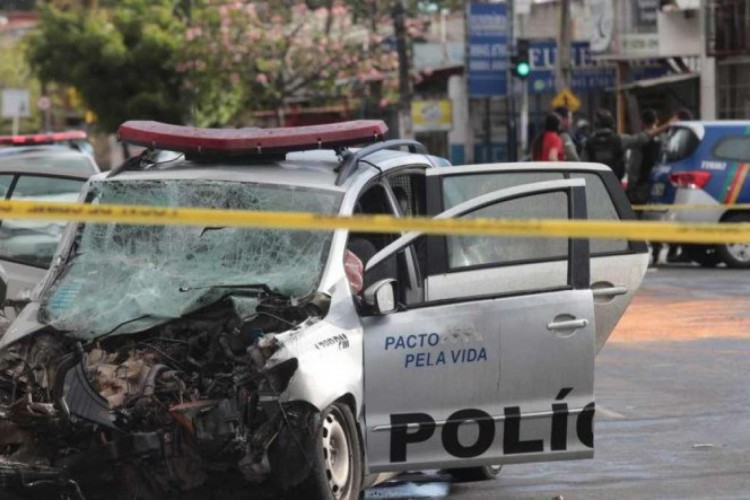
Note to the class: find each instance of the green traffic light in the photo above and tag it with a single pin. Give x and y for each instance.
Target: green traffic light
(523, 69)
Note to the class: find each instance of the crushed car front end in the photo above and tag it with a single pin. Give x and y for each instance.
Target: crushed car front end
(160, 358)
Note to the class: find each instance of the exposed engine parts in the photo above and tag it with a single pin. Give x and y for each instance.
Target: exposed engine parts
(159, 411)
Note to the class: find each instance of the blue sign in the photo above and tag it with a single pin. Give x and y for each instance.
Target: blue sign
(588, 74)
(488, 49)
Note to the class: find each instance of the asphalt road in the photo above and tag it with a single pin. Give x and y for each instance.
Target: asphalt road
(673, 414)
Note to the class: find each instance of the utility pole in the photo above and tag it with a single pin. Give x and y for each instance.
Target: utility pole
(564, 65)
(708, 68)
(524, 125)
(510, 102)
(404, 78)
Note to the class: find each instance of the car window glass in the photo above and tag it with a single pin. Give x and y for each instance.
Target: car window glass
(5, 181)
(33, 242)
(400, 266)
(460, 188)
(471, 251)
(681, 143)
(373, 201)
(599, 206)
(46, 188)
(733, 149)
(409, 189)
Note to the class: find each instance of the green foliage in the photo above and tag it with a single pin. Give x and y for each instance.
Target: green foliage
(121, 60)
(242, 56)
(15, 73)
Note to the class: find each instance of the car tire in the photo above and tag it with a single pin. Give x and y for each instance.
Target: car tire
(473, 474)
(337, 468)
(705, 255)
(735, 255)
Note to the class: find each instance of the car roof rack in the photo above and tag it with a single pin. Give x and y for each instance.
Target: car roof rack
(40, 139)
(351, 161)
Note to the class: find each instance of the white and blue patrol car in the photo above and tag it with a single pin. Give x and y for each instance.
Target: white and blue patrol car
(163, 357)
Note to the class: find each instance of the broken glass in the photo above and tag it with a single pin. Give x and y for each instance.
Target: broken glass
(127, 278)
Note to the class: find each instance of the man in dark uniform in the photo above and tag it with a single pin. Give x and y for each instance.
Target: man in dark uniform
(606, 146)
(647, 157)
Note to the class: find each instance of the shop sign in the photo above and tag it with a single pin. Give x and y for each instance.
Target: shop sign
(432, 116)
(488, 49)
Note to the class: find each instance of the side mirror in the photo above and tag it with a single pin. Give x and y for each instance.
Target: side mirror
(380, 297)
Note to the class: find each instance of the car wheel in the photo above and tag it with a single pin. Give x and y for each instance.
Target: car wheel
(705, 255)
(471, 474)
(736, 255)
(337, 467)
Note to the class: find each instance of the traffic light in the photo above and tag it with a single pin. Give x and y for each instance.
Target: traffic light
(519, 61)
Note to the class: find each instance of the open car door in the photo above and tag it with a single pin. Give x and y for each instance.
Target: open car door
(617, 266)
(476, 377)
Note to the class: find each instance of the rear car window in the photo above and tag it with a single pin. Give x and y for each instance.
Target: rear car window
(43, 188)
(735, 148)
(680, 144)
(600, 207)
(33, 242)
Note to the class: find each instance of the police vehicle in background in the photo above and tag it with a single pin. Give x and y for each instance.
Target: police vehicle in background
(39, 167)
(167, 359)
(706, 163)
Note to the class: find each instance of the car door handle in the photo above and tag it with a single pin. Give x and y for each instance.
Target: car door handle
(609, 292)
(568, 325)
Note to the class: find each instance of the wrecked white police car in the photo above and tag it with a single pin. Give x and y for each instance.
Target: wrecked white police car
(163, 358)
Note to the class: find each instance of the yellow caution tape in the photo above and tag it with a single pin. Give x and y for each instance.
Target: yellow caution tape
(599, 229)
(680, 207)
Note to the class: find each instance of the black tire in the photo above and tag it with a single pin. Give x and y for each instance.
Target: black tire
(329, 479)
(472, 474)
(735, 255)
(705, 255)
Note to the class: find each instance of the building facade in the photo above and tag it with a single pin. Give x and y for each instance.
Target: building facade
(728, 41)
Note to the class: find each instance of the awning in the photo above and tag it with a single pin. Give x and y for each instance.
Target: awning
(655, 82)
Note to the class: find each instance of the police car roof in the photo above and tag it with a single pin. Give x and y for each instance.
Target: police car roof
(315, 169)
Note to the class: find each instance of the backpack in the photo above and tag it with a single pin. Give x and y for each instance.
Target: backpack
(605, 146)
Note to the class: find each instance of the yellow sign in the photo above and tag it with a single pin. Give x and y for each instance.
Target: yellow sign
(431, 116)
(568, 99)
(541, 228)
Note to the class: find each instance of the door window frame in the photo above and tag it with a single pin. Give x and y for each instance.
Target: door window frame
(620, 202)
(578, 272)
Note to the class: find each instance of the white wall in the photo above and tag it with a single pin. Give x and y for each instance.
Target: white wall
(679, 35)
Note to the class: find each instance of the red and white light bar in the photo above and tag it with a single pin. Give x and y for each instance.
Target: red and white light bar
(250, 141)
(34, 139)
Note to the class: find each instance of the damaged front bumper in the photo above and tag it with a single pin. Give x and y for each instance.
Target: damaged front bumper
(157, 414)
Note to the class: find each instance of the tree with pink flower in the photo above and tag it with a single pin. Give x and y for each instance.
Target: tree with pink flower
(247, 55)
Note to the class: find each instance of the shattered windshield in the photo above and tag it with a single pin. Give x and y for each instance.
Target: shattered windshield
(127, 278)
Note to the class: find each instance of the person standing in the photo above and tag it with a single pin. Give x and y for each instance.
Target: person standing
(582, 133)
(605, 145)
(566, 122)
(639, 174)
(548, 146)
(608, 147)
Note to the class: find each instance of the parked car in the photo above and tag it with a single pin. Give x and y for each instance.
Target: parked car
(706, 163)
(158, 357)
(40, 167)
